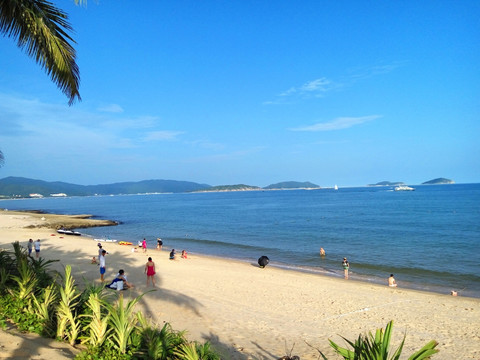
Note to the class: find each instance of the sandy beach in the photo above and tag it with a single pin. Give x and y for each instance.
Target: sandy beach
(245, 311)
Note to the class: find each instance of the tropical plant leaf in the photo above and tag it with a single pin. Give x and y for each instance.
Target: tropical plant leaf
(42, 30)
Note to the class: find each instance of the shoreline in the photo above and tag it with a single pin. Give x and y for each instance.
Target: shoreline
(81, 221)
(252, 313)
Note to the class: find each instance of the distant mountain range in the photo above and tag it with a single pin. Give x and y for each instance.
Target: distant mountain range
(19, 187)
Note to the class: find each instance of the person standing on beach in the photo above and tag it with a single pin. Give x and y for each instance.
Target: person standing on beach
(101, 259)
(159, 244)
(100, 249)
(37, 248)
(150, 271)
(322, 252)
(144, 245)
(345, 266)
(30, 246)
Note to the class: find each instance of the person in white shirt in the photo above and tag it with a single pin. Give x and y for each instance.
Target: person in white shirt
(101, 259)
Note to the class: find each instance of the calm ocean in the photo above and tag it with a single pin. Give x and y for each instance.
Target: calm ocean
(428, 238)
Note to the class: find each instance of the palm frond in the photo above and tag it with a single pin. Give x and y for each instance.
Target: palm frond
(68, 322)
(41, 30)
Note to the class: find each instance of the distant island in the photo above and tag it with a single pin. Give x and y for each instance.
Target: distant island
(387, 183)
(239, 187)
(439, 181)
(292, 185)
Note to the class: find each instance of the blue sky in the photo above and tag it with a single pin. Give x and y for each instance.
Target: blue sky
(252, 92)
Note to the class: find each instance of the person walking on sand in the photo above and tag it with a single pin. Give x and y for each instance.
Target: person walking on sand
(30, 246)
(150, 271)
(159, 244)
(144, 245)
(345, 266)
(391, 281)
(37, 248)
(101, 260)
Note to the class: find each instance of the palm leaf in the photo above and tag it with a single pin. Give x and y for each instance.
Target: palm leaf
(123, 322)
(68, 323)
(41, 30)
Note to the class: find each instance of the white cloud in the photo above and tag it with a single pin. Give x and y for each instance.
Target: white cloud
(314, 87)
(338, 123)
(112, 108)
(162, 135)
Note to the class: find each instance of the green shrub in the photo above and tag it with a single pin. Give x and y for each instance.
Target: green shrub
(377, 347)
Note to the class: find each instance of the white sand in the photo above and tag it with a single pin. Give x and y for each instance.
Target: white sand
(253, 313)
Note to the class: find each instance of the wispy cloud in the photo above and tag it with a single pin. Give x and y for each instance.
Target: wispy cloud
(320, 87)
(361, 73)
(314, 88)
(338, 123)
(111, 108)
(162, 135)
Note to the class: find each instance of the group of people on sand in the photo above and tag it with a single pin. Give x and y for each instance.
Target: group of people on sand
(120, 281)
(31, 245)
(346, 267)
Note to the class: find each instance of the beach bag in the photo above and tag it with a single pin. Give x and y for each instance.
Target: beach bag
(263, 261)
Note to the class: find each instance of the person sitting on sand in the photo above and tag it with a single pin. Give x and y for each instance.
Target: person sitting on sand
(94, 260)
(391, 281)
(172, 254)
(120, 278)
(184, 254)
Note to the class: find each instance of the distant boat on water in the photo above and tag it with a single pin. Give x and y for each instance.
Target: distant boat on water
(105, 239)
(404, 188)
(335, 187)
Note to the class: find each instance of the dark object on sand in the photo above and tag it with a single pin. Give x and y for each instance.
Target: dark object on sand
(263, 261)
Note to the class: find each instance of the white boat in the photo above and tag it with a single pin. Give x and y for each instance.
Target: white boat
(68, 232)
(404, 188)
(335, 187)
(105, 239)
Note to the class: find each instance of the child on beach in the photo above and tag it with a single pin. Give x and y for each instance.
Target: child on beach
(172, 254)
(37, 248)
(184, 254)
(150, 271)
(144, 245)
(102, 265)
(30, 246)
(345, 266)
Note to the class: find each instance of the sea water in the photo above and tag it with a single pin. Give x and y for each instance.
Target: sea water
(428, 238)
